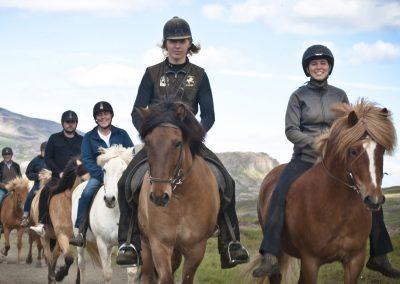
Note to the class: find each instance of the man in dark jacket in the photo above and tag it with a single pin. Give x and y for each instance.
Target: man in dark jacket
(8, 171)
(32, 173)
(60, 148)
(103, 135)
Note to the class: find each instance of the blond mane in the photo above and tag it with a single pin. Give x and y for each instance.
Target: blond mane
(112, 152)
(373, 121)
(17, 183)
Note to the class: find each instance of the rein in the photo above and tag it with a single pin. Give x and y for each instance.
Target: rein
(178, 176)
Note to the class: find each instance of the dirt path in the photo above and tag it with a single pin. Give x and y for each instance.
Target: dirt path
(11, 272)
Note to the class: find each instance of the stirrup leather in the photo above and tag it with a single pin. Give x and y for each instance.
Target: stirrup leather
(134, 248)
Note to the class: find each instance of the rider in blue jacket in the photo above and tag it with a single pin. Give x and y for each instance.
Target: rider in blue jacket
(103, 135)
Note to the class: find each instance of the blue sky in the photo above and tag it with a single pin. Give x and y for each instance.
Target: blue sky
(57, 55)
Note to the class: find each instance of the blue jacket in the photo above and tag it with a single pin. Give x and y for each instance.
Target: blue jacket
(90, 148)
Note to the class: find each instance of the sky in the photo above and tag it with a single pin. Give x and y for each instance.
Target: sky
(57, 55)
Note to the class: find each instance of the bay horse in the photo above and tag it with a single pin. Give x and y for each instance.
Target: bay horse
(104, 211)
(328, 208)
(11, 213)
(179, 198)
(56, 238)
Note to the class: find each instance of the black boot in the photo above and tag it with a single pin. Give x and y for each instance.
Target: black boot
(235, 254)
(382, 264)
(128, 255)
(78, 240)
(269, 265)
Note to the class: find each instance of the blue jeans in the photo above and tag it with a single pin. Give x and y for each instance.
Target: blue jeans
(29, 198)
(2, 194)
(84, 201)
(271, 242)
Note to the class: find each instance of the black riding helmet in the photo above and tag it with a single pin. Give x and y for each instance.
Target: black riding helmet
(102, 106)
(317, 52)
(69, 116)
(6, 151)
(176, 28)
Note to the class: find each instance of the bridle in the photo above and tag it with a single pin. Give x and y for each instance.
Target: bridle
(178, 175)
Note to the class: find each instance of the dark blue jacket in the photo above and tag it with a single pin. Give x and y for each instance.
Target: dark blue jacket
(90, 148)
(33, 169)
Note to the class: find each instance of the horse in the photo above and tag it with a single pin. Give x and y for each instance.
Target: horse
(11, 213)
(328, 208)
(104, 212)
(179, 198)
(56, 238)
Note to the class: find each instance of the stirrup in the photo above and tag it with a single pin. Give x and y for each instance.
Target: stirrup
(233, 243)
(137, 263)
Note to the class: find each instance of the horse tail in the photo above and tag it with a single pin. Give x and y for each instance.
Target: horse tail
(94, 253)
(290, 270)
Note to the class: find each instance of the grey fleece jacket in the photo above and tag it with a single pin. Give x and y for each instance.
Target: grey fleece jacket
(309, 114)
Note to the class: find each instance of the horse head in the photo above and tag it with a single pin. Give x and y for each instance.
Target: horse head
(358, 141)
(114, 161)
(18, 189)
(171, 134)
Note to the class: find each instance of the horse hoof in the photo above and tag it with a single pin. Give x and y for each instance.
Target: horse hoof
(29, 260)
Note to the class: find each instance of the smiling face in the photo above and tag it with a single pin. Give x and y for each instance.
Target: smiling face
(319, 69)
(104, 118)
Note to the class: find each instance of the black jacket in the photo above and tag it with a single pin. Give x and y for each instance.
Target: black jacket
(59, 150)
(33, 169)
(13, 165)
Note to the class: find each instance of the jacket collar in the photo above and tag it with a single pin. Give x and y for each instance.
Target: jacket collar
(317, 85)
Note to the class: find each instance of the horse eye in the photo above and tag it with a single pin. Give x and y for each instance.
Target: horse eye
(178, 144)
(353, 152)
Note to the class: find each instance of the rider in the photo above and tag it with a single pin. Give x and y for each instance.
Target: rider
(177, 78)
(60, 148)
(309, 114)
(103, 135)
(32, 172)
(8, 171)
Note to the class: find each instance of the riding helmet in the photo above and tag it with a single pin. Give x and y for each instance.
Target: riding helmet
(176, 28)
(102, 106)
(69, 116)
(6, 151)
(317, 52)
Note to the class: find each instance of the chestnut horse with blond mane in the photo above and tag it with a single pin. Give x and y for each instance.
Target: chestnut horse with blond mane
(328, 208)
(179, 199)
(11, 213)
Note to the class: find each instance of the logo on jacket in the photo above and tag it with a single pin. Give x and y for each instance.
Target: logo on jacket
(163, 81)
(190, 81)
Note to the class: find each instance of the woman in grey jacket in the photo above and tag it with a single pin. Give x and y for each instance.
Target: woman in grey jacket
(308, 115)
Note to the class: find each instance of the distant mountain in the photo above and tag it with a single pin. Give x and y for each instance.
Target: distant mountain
(24, 135)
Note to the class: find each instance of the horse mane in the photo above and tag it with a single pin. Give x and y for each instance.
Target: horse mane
(166, 112)
(18, 182)
(112, 152)
(73, 169)
(373, 121)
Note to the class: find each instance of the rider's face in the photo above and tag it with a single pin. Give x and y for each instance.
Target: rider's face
(319, 69)
(70, 126)
(104, 118)
(7, 157)
(177, 50)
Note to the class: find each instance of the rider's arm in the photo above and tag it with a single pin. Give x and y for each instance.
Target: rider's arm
(30, 171)
(143, 98)
(292, 124)
(206, 103)
(89, 160)
(127, 142)
(49, 157)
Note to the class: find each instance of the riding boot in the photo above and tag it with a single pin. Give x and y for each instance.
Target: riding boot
(80, 239)
(269, 265)
(381, 263)
(25, 221)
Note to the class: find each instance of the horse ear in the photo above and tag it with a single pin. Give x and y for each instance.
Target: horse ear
(143, 112)
(385, 111)
(181, 112)
(352, 118)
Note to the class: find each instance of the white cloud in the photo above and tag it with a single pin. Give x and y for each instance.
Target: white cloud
(363, 52)
(99, 6)
(213, 11)
(106, 75)
(314, 16)
(218, 57)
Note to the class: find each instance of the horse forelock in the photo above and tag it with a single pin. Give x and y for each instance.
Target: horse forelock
(372, 122)
(166, 113)
(113, 152)
(17, 183)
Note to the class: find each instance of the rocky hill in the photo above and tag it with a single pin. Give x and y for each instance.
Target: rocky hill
(24, 134)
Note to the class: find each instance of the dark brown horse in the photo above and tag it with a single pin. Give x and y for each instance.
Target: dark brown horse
(179, 199)
(328, 209)
(11, 213)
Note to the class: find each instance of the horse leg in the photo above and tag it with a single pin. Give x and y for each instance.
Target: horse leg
(6, 248)
(176, 260)
(39, 247)
(309, 271)
(147, 274)
(20, 232)
(162, 256)
(81, 265)
(105, 256)
(30, 241)
(52, 262)
(193, 258)
(132, 272)
(63, 241)
(353, 268)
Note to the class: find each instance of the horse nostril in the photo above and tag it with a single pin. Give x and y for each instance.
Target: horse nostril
(165, 198)
(382, 200)
(113, 199)
(152, 197)
(105, 199)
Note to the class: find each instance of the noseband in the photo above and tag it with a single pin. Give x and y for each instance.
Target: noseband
(178, 176)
